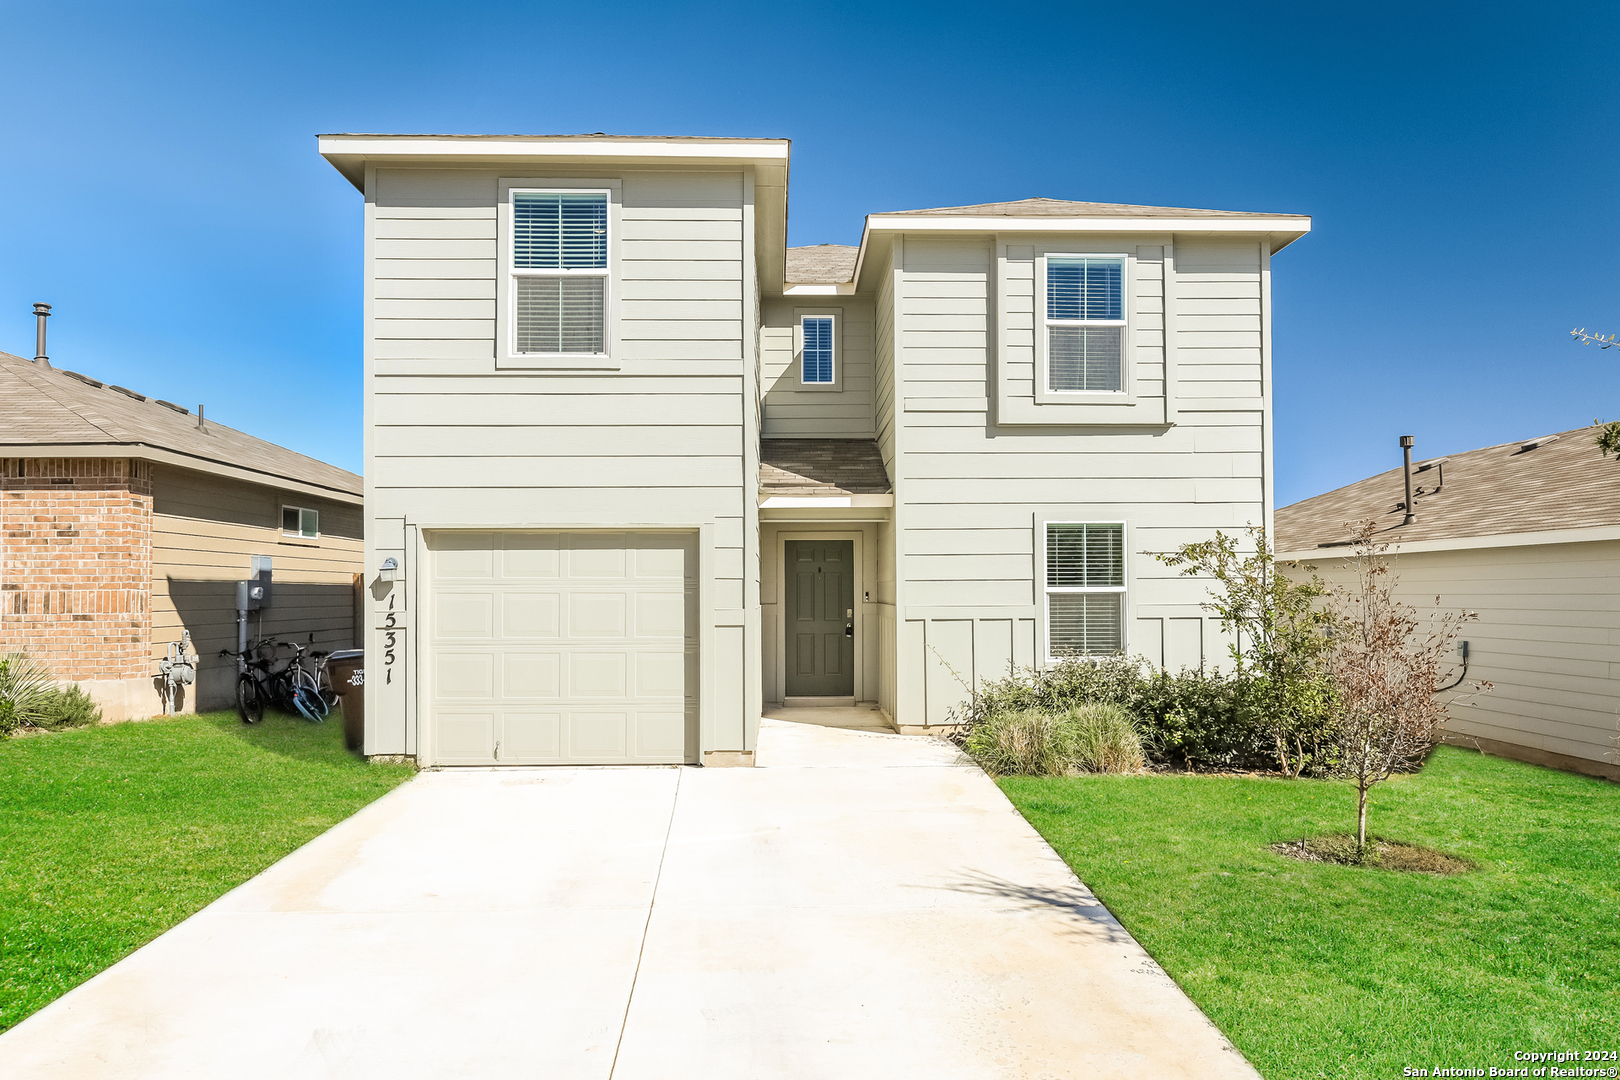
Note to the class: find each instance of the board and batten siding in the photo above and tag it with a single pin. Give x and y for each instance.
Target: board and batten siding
(454, 442)
(792, 411)
(205, 531)
(970, 490)
(1547, 639)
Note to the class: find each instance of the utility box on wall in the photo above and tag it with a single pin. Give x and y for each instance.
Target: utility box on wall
(254, 593)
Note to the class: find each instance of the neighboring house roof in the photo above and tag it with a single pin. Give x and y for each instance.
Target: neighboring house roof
(1066, 208)
(1561, 483)
(823, 264)
(822, 467)
(49, 408)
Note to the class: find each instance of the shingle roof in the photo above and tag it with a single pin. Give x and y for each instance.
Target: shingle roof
(1488, 492)
(1067, 208)
(823, 264)
(821, 467)
(49, 406)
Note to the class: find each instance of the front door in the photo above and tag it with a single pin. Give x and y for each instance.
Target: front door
(820, 618)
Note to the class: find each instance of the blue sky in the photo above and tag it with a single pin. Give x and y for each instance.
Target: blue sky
(161, 186)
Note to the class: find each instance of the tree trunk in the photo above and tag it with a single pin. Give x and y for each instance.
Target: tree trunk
(1361, 816)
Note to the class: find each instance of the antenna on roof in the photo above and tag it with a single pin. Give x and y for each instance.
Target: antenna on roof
(41, 312)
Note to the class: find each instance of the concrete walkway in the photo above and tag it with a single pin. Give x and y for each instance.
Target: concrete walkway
(862, 905)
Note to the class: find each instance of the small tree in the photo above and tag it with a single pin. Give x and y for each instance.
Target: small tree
(1386, 668)
(1279, 633)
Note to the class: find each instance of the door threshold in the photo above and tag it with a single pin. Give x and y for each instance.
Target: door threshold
(819, 702)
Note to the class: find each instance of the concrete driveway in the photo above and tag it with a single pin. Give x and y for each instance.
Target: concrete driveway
(862, 905)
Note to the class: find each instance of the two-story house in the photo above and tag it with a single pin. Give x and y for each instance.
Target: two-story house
(636, 470)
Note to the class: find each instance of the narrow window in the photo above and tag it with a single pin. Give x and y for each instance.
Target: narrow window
(817, 362)
(1085, 323)
(559, 272)
(301, 522)
(1085, 589)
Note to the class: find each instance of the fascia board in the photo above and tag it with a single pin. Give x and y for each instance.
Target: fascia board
(145, 452)
(846, 288)
(895, 223)
(1466, 543)
(782, 502)
(347, 151)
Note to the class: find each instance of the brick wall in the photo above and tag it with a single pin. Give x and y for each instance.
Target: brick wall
(76, 564)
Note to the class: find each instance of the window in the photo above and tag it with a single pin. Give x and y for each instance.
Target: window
(301, 522)
(1085, 589)
(816, 362)
(559, 268)
(1085, 323)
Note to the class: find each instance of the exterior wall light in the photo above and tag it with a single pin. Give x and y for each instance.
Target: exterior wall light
(389, 570)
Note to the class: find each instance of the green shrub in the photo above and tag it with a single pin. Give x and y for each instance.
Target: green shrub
(1102, 737)
(1096, 737)
(68, 707)
(25, 686)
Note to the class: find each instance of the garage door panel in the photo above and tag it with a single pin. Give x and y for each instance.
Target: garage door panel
(598, 674)
(661, 615)
(529, 615)
(563, 647)
(466, 556)
(531, 675)
(598, 736)
(598, 615)
(465, 675)
(464, 615)
(530, 557)
(531, 736)
(661, 674)
(465, 736)
(660, 732)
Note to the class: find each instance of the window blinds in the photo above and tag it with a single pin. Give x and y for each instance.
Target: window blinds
(1083, 288)
(559, 230)
(1083, 357)
(818, 350)
(1086, 624)
(1085, 556)
(559, 314)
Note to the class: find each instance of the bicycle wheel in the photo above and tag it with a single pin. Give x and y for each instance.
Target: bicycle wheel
(249, 702)
(309, 705)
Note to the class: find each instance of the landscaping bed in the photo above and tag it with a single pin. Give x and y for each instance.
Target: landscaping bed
(110, 835)
(1317, 969)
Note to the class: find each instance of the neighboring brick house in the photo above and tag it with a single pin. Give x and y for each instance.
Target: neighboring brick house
(126, 520)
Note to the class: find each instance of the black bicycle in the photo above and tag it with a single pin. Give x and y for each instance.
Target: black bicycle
(292, 686)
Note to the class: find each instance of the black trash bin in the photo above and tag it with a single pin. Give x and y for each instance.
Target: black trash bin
(347, 668)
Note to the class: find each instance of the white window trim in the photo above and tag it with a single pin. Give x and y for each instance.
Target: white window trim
(1044, 325)
(506, 354)
(299, 535)
(1046, 591)
(837, 316)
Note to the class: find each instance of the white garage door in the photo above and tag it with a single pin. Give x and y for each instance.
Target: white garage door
(562, 648)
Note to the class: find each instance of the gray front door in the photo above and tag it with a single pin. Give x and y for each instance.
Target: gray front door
(820, 618)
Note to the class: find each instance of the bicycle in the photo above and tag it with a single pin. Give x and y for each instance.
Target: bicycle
(291, 687)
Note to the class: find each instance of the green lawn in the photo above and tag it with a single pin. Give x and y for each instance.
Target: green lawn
(110, 835)
(1320, 970)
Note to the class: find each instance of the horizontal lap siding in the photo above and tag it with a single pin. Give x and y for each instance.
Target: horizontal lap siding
(457, 443)
(972, 491)
(205, 531)
(790, 410)
(1547, 638)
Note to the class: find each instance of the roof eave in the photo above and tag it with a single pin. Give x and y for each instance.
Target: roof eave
(181, 459)
(350, 154)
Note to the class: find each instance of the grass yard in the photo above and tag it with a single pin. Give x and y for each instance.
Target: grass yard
(110, 835)
(1320, 970)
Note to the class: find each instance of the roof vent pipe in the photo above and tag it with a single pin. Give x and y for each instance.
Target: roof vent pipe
(1406, 453)
(41, 313)
(200, 421)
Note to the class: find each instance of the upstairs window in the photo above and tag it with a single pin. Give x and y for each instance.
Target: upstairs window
(1085, 323)
(559, 269)
(301, 522)
(816, 362)
(1085, 589)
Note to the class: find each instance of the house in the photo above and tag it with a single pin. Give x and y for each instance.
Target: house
(1526, 534)
(636, 471)
(125, 520)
